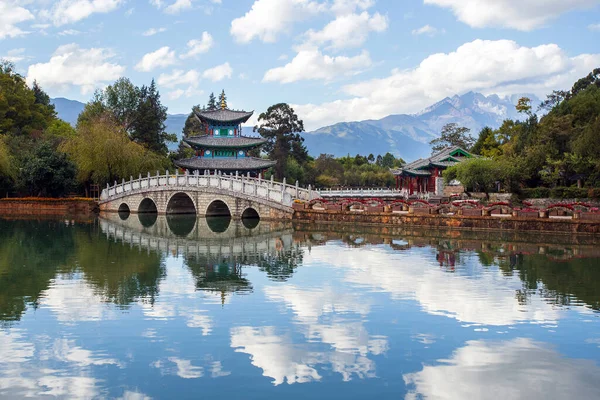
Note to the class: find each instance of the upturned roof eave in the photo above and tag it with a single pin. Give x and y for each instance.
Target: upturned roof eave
(255, 143)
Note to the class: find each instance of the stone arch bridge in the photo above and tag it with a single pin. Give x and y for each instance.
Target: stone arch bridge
(205, 195)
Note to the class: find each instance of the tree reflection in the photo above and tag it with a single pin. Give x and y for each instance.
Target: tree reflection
(31, 253)
(120, 273)
(281, 265)
(223, 276)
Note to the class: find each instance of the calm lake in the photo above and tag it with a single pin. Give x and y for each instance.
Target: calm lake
(140, 307)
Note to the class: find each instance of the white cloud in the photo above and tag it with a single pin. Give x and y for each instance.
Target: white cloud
(218, 73)
(178, 6)
(515, 369)
(341, 7)
(69, 32)
(12, 14)
(501, 67)
(524, 15)
(185, 369)
(347, 30)
(268, 18)
(67, 351)
(290, 363)
(15, 55)
(427, 30)
(71, 65)
(314, 65)
(431, 287)
(179, 77)
(594, 27)
(160, 58)
(154, 31)
(199, 46)
(69, 11)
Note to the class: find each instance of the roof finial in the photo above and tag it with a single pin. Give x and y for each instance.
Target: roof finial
(223, 100)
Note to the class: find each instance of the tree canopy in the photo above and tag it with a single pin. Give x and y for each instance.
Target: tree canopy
(452, 135)
(281, 127)
(104, 153)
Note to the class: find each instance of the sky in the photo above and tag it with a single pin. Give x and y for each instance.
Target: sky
(333, 60)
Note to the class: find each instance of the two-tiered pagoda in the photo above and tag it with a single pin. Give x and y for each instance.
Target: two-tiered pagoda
(223, 148)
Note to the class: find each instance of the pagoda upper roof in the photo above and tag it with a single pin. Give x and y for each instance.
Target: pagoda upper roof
(224, 115)
(207, 141)
(225, 164)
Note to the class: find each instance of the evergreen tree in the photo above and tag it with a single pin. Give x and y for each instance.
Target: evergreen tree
(148, 127)
(212, 102)
(193, 127)
(40, 96)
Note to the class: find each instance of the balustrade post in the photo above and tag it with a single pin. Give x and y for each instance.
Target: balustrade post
(271, 180)
(297, 190)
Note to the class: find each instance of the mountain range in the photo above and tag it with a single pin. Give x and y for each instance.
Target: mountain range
(404, 135)
(408, 135)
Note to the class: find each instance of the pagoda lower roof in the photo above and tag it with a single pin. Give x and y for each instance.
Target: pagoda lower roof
(224, 115)
(207, 141)
(225, 164)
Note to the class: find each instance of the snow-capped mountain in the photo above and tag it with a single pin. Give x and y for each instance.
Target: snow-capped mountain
(407, 135)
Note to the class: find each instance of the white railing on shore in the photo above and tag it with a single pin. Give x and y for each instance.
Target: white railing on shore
(370, 192)
(266, 189)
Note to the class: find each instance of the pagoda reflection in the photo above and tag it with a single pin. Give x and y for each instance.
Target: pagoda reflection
(216, 250)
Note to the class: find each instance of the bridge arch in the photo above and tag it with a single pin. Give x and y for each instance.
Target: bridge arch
(124, 211)
(218, 208)
(147, 205)
(181, 203)
(250, 213)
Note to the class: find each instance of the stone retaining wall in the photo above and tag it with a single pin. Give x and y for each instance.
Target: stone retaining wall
(32, 206)
(453, 222)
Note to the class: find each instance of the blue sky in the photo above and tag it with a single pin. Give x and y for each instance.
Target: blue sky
(334, 60)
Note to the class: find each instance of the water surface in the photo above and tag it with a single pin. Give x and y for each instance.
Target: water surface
(152, 307)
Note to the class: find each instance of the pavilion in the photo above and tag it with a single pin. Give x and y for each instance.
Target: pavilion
(425, 174)
(223, 148)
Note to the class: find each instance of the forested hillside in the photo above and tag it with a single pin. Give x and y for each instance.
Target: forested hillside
(557, 155)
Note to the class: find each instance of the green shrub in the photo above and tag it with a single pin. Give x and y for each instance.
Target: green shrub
(535, 193)
(563, 192)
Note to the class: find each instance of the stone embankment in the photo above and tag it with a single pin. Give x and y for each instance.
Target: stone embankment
(573, 218)
(46, 206)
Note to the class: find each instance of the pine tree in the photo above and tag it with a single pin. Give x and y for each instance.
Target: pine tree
(40, 96)
(212, 102)
(149, 125)
(193, 127)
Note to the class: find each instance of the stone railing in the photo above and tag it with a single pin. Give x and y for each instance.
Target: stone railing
(364, 193)
(255, 187)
